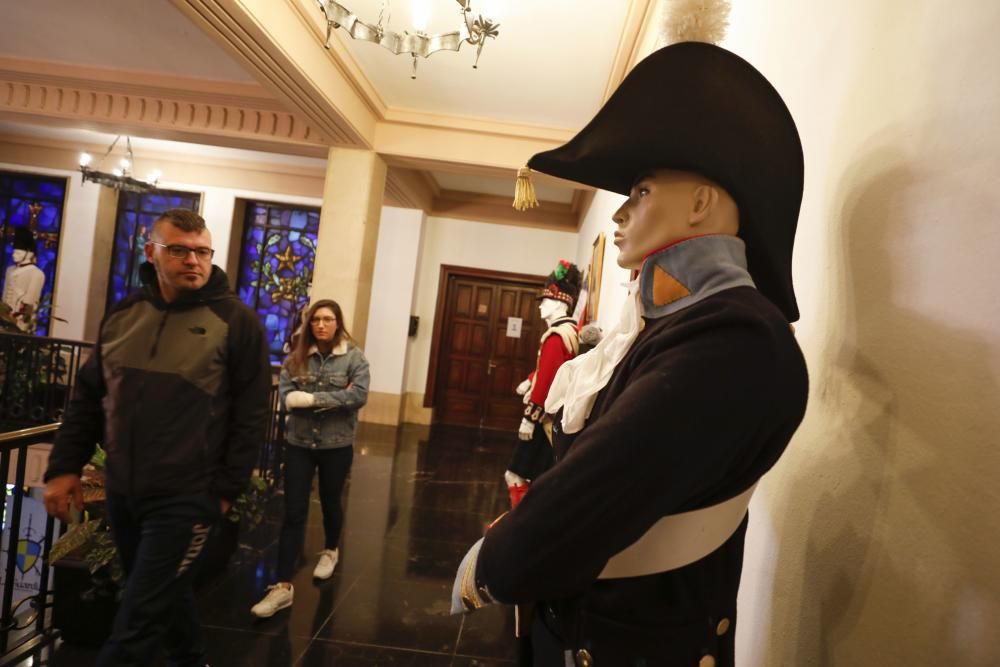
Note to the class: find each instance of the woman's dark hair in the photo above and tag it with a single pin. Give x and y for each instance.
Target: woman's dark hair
(298, 360)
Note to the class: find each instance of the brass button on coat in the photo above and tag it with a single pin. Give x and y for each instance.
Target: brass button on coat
(583, 658)
(707, 661)
(723, 627)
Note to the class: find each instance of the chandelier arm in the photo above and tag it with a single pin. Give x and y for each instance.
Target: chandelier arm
(110, 148)
(416, 44)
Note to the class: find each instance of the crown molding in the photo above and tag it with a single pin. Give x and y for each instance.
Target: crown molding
(277, 47)
(238, 174)
(408, 188)
(157, 106)
(137, 82)
(342, 58)
(637, 23)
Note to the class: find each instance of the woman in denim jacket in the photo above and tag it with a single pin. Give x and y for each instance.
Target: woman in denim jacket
(324, 382)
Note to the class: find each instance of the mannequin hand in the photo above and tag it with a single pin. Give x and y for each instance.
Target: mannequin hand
(526, 431)
(523, 388)
(299, 399)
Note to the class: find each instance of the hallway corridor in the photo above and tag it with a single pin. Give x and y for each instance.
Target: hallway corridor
(416, 500)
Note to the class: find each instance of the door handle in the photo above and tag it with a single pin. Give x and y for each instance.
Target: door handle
(490, 365)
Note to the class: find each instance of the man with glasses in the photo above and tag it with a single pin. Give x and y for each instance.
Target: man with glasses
(177, 391)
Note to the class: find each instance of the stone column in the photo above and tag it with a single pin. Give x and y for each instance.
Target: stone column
(348, 234)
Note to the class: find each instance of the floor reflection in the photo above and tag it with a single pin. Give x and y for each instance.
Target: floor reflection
(416, 499)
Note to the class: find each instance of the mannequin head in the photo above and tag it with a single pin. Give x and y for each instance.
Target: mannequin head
(665, 206)
(24, 246)
(552, 309)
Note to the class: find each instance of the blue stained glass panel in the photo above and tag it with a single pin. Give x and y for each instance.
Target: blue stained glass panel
(35, 202)
(134, 220)
(276, 267)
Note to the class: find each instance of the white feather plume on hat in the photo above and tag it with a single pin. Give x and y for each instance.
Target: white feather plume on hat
(695, 21)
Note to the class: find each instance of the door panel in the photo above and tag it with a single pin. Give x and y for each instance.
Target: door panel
(479, 366)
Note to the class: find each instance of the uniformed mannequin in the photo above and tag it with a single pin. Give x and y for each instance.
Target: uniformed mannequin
(559, 344)
(662, 431)
(23, 281)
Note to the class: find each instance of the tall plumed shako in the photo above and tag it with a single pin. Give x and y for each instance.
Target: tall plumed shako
(24, 239)
(563, 284)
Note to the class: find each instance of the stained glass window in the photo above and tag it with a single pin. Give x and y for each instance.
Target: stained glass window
(135, 217)
(276, 266)
(35, 202)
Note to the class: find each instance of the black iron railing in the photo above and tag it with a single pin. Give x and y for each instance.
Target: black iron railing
(36, 378)
(24, 617)
(272, 449)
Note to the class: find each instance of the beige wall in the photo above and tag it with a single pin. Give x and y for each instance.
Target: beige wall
(480, 245)
(875, 539)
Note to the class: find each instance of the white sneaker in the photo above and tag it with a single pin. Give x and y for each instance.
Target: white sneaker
(277, 598)
(327, 561)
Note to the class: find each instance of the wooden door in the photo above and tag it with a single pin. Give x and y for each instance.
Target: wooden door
(479, 365)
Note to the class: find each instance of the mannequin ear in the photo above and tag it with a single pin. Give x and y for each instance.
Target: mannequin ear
(703, 201)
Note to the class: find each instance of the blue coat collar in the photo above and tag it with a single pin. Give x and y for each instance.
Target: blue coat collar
(684, 273)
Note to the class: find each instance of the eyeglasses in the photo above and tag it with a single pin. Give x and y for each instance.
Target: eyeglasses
(182, 251)
(322, 320)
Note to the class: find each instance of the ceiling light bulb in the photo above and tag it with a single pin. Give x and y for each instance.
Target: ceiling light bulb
(116, 171)
(125, 163)
(154, 176)
(421, 15)
(85, 159)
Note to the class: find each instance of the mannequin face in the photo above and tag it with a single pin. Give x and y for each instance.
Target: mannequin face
(665, 206)
(551, 309)
(19, 256)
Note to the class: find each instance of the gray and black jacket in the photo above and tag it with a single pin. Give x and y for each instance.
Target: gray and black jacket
(177, 393)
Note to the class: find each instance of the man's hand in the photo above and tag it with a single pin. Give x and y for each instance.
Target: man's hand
(225, 506)
(523, 388)
(527, 430)
(299, 399)
(60, 493)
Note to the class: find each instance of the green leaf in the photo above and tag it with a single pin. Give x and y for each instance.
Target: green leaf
(78, 535)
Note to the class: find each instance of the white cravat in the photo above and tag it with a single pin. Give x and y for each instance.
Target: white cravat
(578, 381)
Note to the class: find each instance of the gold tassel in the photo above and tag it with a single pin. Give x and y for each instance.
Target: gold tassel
(524, 191)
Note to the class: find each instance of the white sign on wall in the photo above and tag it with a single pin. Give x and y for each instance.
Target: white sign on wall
(513, 327)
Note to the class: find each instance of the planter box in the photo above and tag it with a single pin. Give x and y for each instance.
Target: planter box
(84, 605)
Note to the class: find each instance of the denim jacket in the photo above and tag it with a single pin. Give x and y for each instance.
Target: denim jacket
(339, 382)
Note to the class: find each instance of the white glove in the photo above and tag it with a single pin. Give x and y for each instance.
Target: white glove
(523, 388)
(527, 430)
(299, 399)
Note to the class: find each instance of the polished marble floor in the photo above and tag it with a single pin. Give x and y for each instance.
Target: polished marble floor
(416, 500)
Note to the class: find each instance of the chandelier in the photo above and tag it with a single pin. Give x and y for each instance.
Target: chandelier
(119, 178)
(416, 43)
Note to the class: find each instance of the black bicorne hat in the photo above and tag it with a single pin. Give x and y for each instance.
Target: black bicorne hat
(563, 284)
(697, 107)
(24, 239)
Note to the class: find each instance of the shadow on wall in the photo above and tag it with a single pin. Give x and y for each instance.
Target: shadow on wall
(893, 523)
